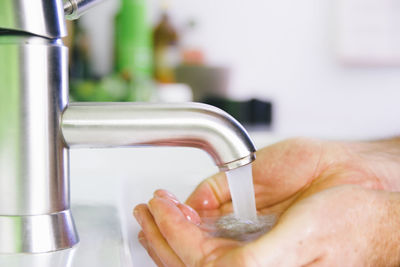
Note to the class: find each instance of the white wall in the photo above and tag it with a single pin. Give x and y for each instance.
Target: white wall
(285, 51)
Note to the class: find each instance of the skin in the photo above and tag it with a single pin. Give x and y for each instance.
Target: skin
(337, 205)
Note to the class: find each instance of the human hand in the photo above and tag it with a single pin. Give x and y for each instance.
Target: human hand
(320, 221)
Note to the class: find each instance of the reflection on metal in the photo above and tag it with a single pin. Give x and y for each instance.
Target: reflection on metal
(73, 9)
(137, 124)
(31, 233)
(39, 17)
(34, 190)
(101, 243)
(37, 127)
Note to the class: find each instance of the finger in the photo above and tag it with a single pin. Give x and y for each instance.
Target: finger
(184, 237)
(154, 237)
(210, 194)
(167, 195)
(285, 168)
(190, 214)
(150, 251)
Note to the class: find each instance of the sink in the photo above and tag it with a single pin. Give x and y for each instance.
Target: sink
(105, 186)
(111, 182)
(141, 172)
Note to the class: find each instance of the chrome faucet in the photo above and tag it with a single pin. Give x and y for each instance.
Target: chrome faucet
(38, 127)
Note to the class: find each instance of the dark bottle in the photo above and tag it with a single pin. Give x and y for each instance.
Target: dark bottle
(166, 50)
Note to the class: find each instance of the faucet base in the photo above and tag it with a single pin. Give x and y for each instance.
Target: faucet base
(37, 233)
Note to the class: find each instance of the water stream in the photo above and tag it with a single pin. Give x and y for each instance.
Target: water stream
(244, 224)
(241, 186)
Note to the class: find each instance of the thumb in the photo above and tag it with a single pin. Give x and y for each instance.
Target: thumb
(210, 194)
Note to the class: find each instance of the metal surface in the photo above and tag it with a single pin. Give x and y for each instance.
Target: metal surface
(136, 124)
(73, 9)
(33, 157)
(31, 233)
(102, 243)
(40, 17)
(34, 163)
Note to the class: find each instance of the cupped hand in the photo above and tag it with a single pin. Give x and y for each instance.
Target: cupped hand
(333, 201)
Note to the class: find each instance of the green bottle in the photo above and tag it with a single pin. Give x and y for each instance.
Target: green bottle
(133, 48)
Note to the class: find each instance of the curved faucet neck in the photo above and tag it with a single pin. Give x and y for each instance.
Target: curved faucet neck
(150, 124)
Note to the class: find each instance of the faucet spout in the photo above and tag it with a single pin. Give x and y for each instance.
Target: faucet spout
(149, 124)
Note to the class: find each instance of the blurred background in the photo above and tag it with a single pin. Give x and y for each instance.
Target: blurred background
(318, 68)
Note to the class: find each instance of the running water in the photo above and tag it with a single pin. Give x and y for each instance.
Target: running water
(229, 226)
(241, 186)
(243, 224)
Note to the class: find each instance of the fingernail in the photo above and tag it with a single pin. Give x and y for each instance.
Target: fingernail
(143, 242)
(166, 195)
(136, 213)
(141, 236)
